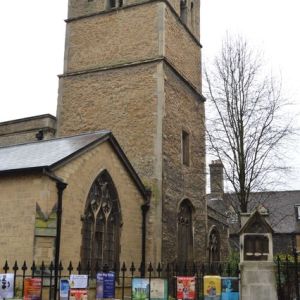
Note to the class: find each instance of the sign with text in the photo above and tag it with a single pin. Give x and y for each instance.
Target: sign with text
(105, 285)
(78, 281)
(186, 287)
(6, 285)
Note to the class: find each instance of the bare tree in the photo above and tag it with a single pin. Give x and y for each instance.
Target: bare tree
(248, 126)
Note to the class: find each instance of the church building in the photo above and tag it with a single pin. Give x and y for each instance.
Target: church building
(126, 151)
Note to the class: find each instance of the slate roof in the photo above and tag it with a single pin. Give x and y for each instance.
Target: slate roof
(45, 153)
(49, 154)
(280, 206)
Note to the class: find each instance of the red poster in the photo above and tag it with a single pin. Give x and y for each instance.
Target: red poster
(186, 288)
(32, 288)
(78, 294)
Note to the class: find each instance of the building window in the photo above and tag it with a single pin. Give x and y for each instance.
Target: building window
(298, 243)
(185, 148)
(256, 247)
(101, 224)
(214, 246)
(183, 11)
(192, 15)
(185, 232)
(297, 207)
(114, 3)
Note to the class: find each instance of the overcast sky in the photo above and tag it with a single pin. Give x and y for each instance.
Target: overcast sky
(32, 46)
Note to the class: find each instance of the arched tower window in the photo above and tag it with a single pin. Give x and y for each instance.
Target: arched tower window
(185, 232)
(214, 245)
(101, 224)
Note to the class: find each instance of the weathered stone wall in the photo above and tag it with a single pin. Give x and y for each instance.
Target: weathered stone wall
(258, 280)
(145, 105)
(78, 8)
(124, 101)
(118, 37)
(19, 195)
(121, 100)
(25, 130)
(182, 51)
(183, 111)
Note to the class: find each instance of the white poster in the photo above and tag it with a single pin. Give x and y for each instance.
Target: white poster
(6, 285)
(78, 281)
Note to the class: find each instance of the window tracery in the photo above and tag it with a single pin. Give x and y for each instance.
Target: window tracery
(214, 246)
(185, 232)
(101, 224)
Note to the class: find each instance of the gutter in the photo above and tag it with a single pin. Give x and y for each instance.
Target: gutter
(60, 185)
(145, 207)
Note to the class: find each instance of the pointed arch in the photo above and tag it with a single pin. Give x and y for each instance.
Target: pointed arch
(101, 223)
(185, 240)
(214, 244)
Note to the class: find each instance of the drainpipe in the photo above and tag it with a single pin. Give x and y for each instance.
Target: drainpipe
(145, 207)
(60, 185)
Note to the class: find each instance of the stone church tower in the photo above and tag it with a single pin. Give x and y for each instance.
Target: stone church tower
(134, 67)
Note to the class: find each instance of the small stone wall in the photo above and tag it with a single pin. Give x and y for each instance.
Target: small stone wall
(258, 281)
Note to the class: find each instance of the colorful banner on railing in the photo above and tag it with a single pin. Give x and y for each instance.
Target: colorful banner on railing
(140, 289)
(186, 288)
(230, 288)
(6, 285)
(105, 285)
(212, 287)
(143, 288)
(32, 288)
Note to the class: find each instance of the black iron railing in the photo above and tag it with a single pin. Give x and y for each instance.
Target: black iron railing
(288, 270)
(124, 273)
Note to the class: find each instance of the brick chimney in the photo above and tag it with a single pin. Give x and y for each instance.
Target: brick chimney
(216, 178)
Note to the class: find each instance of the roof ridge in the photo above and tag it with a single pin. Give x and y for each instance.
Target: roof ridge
(103, 131)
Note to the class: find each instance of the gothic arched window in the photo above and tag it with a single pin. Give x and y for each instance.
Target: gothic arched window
(101, 224)
(214, 246)
(185, 232)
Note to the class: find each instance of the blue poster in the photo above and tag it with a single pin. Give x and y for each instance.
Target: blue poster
(105, 285)
(230, 288)
(64, 289)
